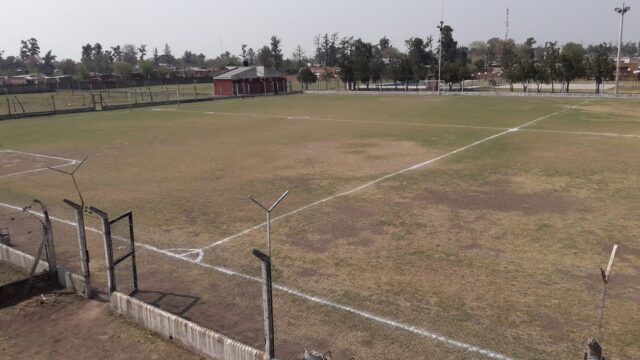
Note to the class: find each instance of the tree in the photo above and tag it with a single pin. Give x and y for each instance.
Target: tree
(384, 44)
(508, 59)
(298, 56)
(449, 45)
(163, 72)
(251, 56)
(67, 67)
(117, 53)
(600, 65)
(524, 68)
(225, 59)
(361, 58)
(80, 72)
(276, 50)
(87, 54)
(188, 58)
(123, 69)
(243, 55)
(419, 56)
(265, 56)
(571, 63)
(167, 57)
(551, 62)
(326, 49)
(142, 50)
(130, 54)
(147, 68)
(48, 63)
(29, 48)
(156, 57)
(306, 77)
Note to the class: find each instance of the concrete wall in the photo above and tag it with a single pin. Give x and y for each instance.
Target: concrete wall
(21, 260)
(25, 261)
(173, 327)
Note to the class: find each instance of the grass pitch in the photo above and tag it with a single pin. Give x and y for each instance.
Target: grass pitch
(493, 249)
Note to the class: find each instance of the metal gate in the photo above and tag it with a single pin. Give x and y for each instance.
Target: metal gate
(119, 251)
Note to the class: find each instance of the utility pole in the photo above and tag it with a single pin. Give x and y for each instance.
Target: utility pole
(623, 10)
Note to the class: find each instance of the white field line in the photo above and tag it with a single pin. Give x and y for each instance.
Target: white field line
(293, 117)
(69, 162)
(373, 182)
(367, 315)
(289, 117)
(583, 133)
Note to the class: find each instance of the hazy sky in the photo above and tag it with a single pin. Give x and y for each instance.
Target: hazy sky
(211, 26)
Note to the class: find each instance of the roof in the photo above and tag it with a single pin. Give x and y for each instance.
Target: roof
(249, 72)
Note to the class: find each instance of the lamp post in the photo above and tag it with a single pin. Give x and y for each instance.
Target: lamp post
(623, 10)
(440, 55)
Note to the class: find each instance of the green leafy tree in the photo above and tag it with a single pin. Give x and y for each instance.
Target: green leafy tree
(117, 53)
(361, 58)
(276, 51)
(142, 50)
(29, 48)
(147, 68)
(67, 67)
(80, 73)
(306, 77)
(600, 66)
(130, 54)
(48, 63)
(572, 63)
(265, 56)
(123, 69)
(419, 56)
(551, 63)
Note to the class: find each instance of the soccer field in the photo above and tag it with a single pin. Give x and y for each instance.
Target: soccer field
(415, 227)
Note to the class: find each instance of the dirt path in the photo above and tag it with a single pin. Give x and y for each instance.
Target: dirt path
(65, 326)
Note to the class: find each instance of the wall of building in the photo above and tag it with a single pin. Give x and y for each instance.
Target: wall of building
(250, 86)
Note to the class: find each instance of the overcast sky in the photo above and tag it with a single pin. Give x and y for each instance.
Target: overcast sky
(211, 26)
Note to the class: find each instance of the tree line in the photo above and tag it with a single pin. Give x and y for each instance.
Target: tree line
(355, 61)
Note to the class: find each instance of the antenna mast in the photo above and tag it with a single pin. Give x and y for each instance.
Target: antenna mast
(506, 33)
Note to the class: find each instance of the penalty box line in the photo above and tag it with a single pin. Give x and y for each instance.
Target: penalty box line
(373, 182)
(69, 162)
(365, 314)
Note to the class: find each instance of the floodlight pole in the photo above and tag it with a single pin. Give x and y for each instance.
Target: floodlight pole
(440, 55)
(268, 211)
(623, 10)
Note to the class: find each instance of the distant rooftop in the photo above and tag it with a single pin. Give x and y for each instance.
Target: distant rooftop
(249, 72)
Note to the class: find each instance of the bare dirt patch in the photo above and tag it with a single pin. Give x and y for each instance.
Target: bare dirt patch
(501, 199)
(64, 326)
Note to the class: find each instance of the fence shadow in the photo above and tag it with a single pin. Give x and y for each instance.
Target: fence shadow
(177, 304)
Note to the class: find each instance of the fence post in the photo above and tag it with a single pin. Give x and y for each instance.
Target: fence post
(108, 248)
(9, 106)
(53, 103)
(19, 103)
(267, 303)
(82, 242)
(48, 233)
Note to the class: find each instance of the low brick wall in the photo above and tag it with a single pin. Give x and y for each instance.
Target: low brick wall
(173, 327)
